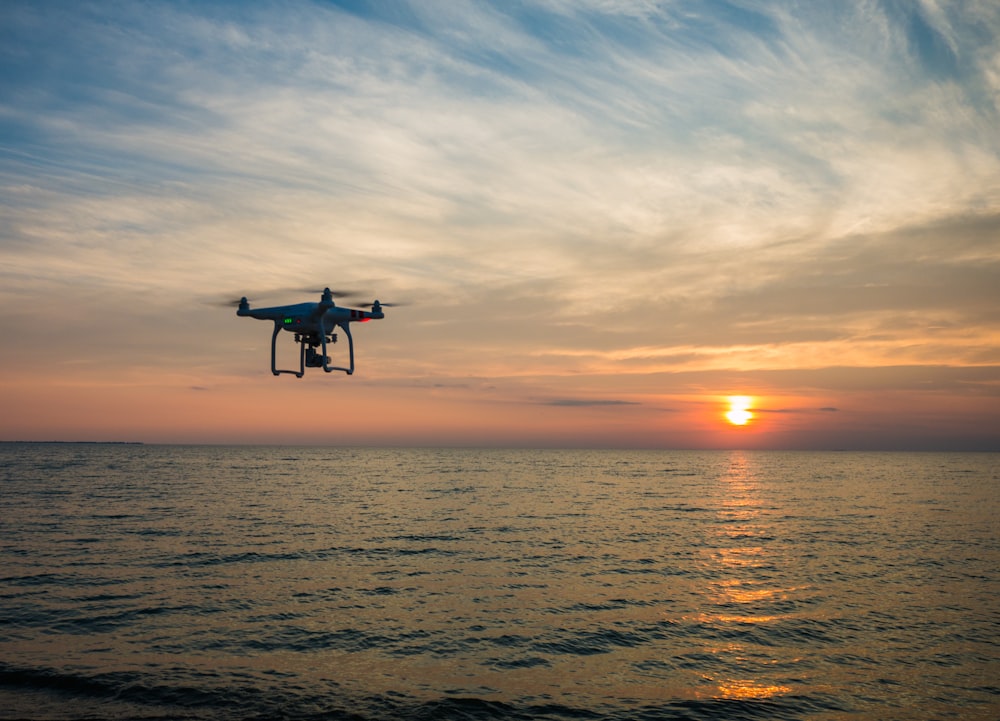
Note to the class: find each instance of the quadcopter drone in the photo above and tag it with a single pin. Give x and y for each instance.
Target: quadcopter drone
(312, 324)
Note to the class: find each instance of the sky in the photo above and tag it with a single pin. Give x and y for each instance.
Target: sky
(601, 218)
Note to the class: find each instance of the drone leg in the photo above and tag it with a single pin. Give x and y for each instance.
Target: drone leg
(274, 369)
(350, 345)
(274, 341)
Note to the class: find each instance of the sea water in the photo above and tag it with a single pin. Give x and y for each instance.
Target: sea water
(169, 582)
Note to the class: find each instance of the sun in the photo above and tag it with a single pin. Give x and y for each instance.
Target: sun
(739, 410)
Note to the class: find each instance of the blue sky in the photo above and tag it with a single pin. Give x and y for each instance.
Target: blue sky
(614, 211)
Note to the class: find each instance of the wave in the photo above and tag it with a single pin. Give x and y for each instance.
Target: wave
(106, 696)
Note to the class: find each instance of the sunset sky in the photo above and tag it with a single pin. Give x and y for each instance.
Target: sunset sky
(605, 217)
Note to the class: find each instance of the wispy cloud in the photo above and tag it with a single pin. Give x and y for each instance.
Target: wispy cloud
(587, 403)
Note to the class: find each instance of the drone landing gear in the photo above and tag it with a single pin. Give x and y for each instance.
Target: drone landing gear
(350, 349)
(308, 357)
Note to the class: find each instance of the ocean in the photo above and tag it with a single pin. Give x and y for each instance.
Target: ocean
(203, 582)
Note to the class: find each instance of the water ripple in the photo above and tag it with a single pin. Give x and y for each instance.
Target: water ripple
(267, 583)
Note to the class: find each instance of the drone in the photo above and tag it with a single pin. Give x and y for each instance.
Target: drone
(312, 324)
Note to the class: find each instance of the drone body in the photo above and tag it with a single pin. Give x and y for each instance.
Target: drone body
(313, 325)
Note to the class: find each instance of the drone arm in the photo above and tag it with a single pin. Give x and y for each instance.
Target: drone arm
(346, 327)
(302, 354)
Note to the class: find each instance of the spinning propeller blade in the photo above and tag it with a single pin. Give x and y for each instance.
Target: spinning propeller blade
(335, 293)
(382, 303)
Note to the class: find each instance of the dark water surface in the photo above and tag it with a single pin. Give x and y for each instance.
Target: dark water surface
(169, 582)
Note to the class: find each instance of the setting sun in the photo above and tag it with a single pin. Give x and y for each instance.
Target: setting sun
(739, 410)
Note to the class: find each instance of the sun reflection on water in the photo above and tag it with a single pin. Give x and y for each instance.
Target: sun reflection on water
(743, 558)
(743, 688)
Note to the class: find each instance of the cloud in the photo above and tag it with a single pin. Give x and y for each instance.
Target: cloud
(827, 409)
(587, 403)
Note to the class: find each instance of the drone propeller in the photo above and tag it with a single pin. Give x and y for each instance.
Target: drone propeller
(381, 304)
(334, 293)
(233, 303)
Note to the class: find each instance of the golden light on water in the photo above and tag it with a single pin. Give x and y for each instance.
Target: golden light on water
(739, 410)
(749, 689)
(742, 598)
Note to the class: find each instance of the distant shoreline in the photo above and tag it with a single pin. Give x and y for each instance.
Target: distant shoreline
(91, 443)
(446, 447)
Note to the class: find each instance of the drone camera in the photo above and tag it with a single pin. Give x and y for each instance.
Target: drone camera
(314, 359)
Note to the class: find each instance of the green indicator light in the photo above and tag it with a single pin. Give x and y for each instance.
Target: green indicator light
(288, 321)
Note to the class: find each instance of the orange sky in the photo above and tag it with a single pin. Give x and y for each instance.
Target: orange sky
(370, 408)
(598, 240)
